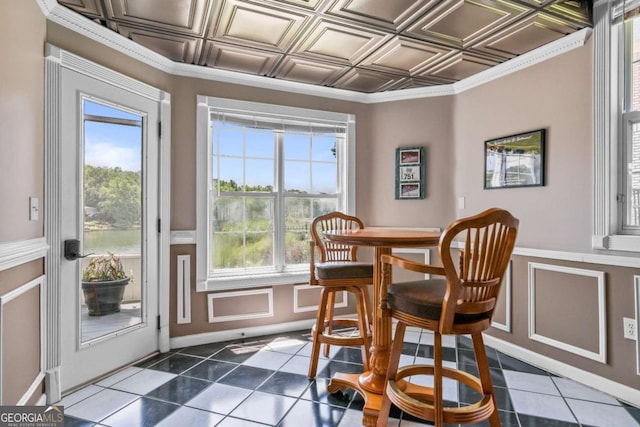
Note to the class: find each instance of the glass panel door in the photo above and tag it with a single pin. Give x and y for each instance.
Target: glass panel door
(112, 220)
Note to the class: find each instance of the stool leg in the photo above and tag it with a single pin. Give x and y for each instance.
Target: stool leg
(317, 332)
(437, 380)
(329, 319)
(363, 325)
(394, 361)
(485, 375)
(367, 300)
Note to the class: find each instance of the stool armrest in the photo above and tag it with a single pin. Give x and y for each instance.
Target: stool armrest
(418, 267)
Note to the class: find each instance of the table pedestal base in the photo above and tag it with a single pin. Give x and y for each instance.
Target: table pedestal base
(372, 399)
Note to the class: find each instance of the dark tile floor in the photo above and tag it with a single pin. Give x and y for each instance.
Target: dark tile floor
(262, 381)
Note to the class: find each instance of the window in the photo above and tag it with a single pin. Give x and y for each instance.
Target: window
(264, 172)
(630, 153)
(617, 126)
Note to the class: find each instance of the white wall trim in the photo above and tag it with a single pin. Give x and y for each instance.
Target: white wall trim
(507, 301)
(81, 65)
(234, 334)
(35, 386)
(164, 211)
(183, 237)
(636, 299)
(13, 254)
(244, 316)
(297, 308)
(582, 257)
(620, 391)
(601, 355)
(8, 297)
(183, 299)
(81, 25)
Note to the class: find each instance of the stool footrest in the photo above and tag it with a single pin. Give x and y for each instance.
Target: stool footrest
(418, 400)
(336, 338)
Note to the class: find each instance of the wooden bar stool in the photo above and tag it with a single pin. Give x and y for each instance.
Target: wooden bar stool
(462, 301)
(337, 271)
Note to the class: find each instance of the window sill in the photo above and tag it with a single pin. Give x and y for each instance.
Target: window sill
(252, 281)
(617, 242)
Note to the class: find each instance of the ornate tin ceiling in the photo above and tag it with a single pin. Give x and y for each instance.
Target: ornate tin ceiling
(359, 45)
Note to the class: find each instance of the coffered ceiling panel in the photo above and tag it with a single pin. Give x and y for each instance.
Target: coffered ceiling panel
(305, 71)
(359, 45)
(461, 66)
(392, 15)
(404, 56)
(176, 48)
(182, 16)
(229, 57)
(367, 81)
(89, 8)
(535, 31)
(336, 42)
(252, 24)
(458, 23)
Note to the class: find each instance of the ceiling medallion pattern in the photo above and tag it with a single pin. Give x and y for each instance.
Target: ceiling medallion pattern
(360, 45)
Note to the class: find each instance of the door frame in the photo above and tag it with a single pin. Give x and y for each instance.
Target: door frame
(55, 60)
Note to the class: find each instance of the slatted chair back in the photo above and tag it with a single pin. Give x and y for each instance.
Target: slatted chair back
(330, 251)
(485, 243)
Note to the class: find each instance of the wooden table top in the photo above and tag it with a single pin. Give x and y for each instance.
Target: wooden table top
(385, 237)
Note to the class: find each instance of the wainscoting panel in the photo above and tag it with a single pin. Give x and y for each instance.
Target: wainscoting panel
(240, 305)
(183, 286)
(307, 297)
(26, 353)
(567, 309)
(636, 297)
(502, 314)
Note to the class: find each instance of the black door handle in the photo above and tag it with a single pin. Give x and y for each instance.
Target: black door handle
(72, 250)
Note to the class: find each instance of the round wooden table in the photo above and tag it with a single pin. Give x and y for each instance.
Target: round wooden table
(370, 384)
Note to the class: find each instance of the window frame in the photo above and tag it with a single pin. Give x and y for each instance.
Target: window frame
(346, 167)
(610, 134)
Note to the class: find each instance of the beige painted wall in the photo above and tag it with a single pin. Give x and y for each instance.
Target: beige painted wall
(21, 177)
(427, 123)
(21, 119)
(555, 95)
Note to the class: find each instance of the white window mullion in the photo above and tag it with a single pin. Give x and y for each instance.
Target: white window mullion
(279, 220)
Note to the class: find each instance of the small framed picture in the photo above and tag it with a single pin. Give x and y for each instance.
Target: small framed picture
(410, 190)
(410, 173)
(410, 156)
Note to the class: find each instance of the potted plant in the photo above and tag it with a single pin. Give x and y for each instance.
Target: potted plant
(103, 283)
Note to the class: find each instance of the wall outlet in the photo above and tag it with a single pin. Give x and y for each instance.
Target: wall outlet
(630, 328)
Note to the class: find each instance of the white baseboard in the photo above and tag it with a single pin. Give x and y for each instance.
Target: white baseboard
(619, 391)
(234, 334)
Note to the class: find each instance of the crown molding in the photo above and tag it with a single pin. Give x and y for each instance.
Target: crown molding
(75, 22)
(541, 54)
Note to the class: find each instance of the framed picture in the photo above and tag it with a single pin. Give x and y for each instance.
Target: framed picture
(410, 190)
(410, 156)
(410, 173)
(515, 160)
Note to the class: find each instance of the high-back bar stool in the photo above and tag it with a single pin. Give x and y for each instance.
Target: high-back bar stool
(338, 270)
(460, 301)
